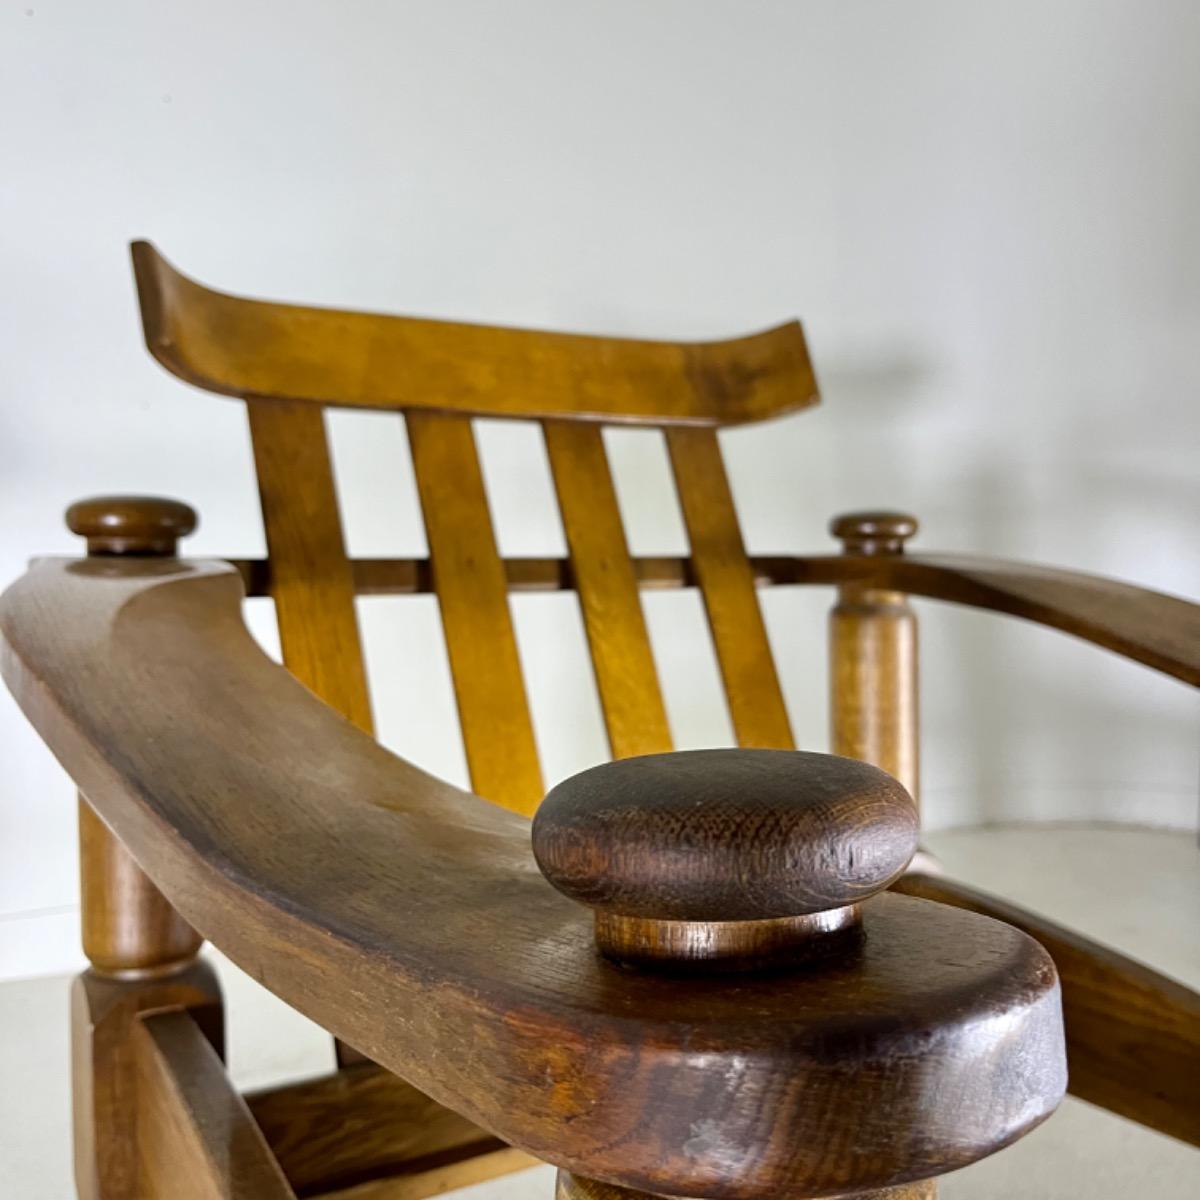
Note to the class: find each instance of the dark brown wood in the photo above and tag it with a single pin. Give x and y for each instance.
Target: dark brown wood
(131, 524)
(358, 1124)
(254, 348)
(104, 1083)
(141, 950)
(873, 656)
(626, 677)
(875, 531)
(457, 1169)
(752, 689)
(489, 687)
(725, 835)
(576, 1187)
(410, 919)
(196, 1138)
(1133, 1034)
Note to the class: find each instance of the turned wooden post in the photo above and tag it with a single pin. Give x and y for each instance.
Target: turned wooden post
(142, 952)
(873, 656)
(129, 929)
(729, 861)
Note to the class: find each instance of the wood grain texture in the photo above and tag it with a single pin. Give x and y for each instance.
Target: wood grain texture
(1133, 1034)
(489, 686)
(131, 524)
(104, 1070)
(129, 930)
(1158, 630)
(196, 1138)
(725, 835)
(744, 656)
(575, 1187)
(410, 919)
(626, 676)
(873, 661)
(311, 581)
(358, 1124)
(448, 1176)
(873, 668)
(253, 348)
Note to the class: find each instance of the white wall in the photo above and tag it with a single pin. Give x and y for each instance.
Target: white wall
(985, 215)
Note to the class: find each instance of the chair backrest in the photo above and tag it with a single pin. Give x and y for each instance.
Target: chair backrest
(289, 363)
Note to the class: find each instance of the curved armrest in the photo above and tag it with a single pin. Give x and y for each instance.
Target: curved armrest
(409, 919)
(1149, 627)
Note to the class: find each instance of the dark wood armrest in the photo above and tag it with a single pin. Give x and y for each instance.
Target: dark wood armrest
(1149, 627)
(410, 919)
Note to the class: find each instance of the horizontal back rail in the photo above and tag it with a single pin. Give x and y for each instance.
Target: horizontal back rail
(1158, 630)
(242, 347)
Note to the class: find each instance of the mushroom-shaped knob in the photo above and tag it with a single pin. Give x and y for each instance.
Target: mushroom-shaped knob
(873, 532)
(732, 856)
(140, 525)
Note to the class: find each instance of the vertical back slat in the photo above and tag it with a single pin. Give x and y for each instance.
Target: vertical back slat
(473, 595)
(311, 579)
(608, 591)
(747, 667)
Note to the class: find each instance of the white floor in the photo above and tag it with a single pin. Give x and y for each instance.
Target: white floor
(1137, 890)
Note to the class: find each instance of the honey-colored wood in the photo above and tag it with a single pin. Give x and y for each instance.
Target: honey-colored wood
(472, 593)
(444, 1177)
(253, 348)
(104, 1075)
(129, 929)
(1133, 1034)
(603, 573)
(1158, 630)
(142, 952)
(196, 1138)
(312, 584)
(410, 919)
(752, 688)
(873, 657)
(356, 1124)
(311, 581)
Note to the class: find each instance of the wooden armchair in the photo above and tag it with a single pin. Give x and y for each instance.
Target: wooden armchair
(751, 1009)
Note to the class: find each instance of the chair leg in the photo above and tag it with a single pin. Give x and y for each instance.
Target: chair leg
(143, 958)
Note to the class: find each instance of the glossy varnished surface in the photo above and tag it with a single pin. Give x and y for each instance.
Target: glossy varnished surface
(1159, 630)
(196, 1138)
(1133, 1034)
(255, 348)
(410, 919)
(725, 835)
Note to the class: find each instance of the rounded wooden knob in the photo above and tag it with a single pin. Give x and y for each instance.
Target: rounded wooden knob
(149, 525)
(873, 532)
(724, 854)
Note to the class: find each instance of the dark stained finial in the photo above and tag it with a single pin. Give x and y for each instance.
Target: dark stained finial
(873, 532)
(724, 855)
(139, 525)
